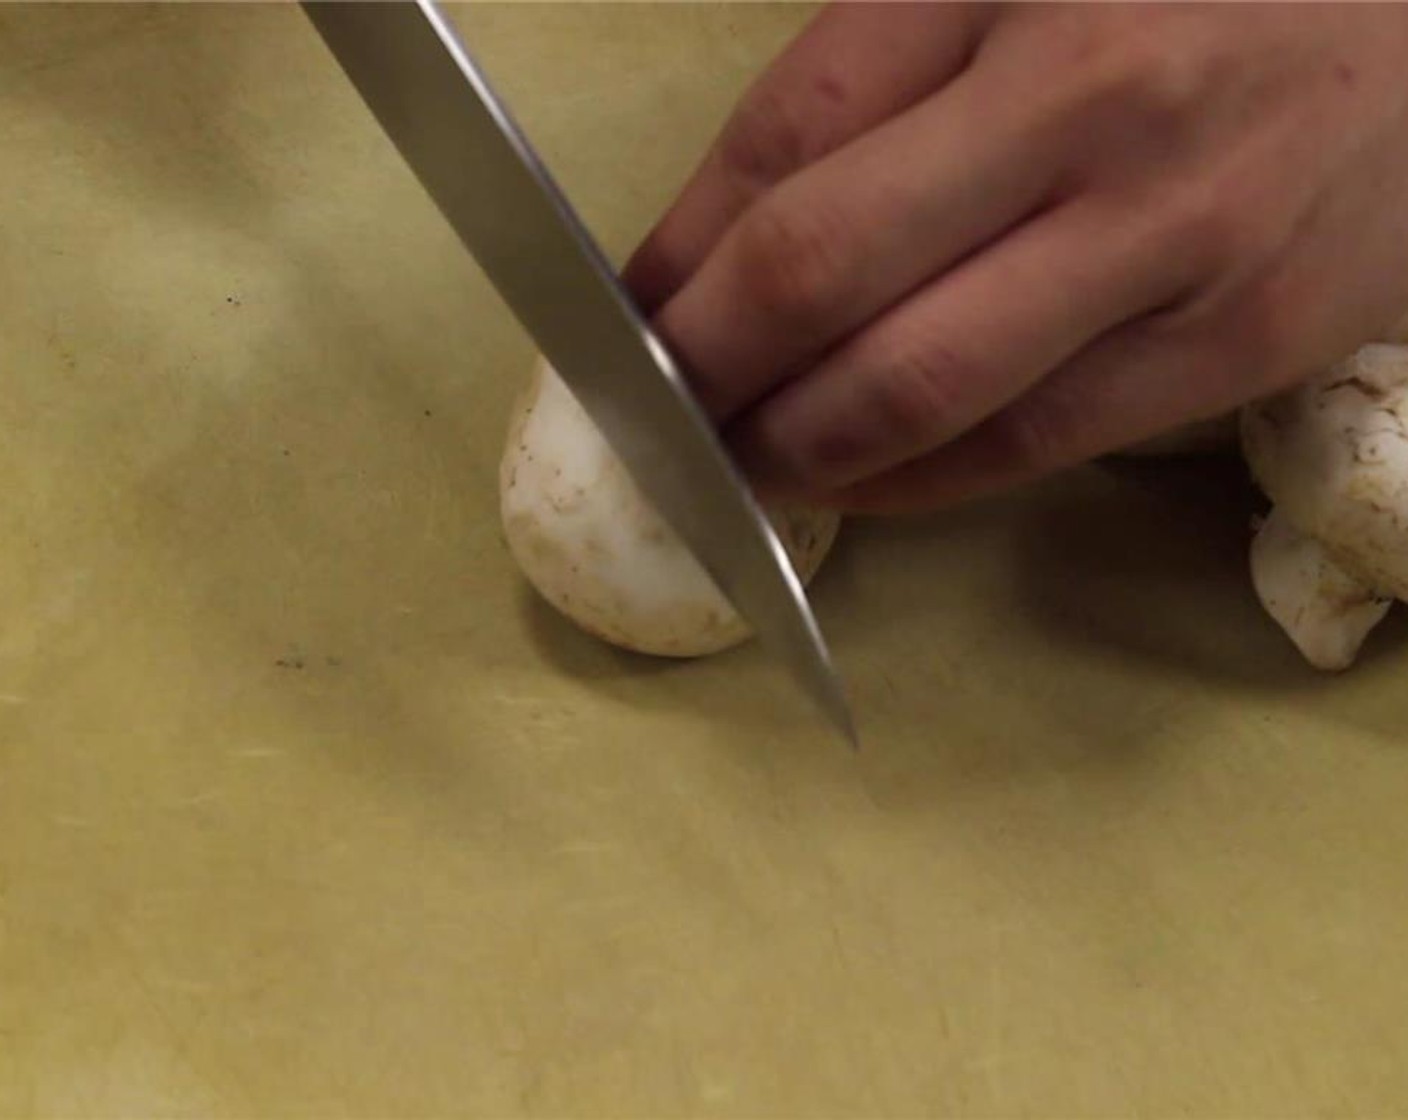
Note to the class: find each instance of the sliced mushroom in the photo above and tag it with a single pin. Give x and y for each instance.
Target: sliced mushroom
(591, 544)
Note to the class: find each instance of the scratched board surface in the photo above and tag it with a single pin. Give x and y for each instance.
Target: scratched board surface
(308, 808)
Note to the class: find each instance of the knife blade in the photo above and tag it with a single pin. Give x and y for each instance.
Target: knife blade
(437, 107)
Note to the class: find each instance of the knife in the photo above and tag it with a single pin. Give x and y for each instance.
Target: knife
(436, 106)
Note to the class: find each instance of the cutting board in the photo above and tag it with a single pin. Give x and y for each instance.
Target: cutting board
(308, 807)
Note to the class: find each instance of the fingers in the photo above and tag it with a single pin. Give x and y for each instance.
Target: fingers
(1203, 358)
(958, 350)
(1128, 387)
(843, 240)
(855, 66)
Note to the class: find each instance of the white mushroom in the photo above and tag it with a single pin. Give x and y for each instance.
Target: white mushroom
(587, 539)
(1332, 455)
(1326, 611)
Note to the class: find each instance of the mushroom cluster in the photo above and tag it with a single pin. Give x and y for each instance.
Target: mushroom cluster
(1332, 455)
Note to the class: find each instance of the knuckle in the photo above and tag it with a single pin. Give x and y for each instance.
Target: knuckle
(1256, 330)
(1160, 89)
(1206, 231)
(919, 396)
(793, 262)
(767, 138)
(1133, 86)
(832, 455)
(1038, 435)
(1252, 324)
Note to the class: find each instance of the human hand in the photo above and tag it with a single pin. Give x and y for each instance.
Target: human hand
(941, 249)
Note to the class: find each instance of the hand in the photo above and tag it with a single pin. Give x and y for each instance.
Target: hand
(941, 249)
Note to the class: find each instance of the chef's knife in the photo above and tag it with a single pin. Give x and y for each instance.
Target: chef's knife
(435, 104)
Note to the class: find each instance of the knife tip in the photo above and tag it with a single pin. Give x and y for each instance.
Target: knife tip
(850, 734)
(838, 712)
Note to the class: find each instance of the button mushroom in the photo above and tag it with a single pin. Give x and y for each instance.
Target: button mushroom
(587, 539)
(1332, 455)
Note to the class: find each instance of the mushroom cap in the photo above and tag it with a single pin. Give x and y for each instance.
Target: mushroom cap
(592, 545)
(1332, 454)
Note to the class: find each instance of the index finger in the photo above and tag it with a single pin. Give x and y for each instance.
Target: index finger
(853, 67)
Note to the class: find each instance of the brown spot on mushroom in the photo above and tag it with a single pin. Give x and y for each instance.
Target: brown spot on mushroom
(1358, 385)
